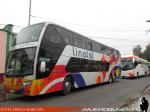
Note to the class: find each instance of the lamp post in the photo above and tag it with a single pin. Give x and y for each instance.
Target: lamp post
(29, 13)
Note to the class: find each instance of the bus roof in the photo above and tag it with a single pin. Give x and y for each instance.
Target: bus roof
(130, 57)
(47, 23)
(134, 57)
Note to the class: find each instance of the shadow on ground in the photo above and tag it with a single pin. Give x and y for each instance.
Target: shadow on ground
(55, 95)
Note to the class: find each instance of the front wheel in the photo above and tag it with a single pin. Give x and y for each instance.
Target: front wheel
(67, 86)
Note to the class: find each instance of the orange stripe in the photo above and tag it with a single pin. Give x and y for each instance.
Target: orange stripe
(38, 109)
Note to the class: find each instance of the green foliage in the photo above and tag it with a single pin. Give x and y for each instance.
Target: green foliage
(145, 54)
(137, 50)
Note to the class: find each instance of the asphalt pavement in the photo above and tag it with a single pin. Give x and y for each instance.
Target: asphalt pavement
(103, 95)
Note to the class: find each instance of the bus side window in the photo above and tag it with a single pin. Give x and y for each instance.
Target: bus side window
(47, 57)
(51, 35)
(102, 50)
(97, 47)
(78, 42)
(83, 65)
(77, 65)
(135, 64)
(75, 40)
(65, 34)
(83, 45)
(95, 66)
(107, 52)
(89, 46)
(73, 65)
(91, 66)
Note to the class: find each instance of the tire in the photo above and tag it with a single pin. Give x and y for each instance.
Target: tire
(111, 80)
(122, 77)
(146, 74)
(137, 75)
(67, 86)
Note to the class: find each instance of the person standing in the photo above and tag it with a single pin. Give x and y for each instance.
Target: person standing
(144, 105)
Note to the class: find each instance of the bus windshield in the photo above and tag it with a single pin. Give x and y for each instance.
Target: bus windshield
(126, 64)
(29, 34)
(21, 62)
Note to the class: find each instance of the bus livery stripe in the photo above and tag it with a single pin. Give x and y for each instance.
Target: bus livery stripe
(49, 85)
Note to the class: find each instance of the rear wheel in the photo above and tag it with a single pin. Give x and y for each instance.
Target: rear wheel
(111, 80)
(67, 85)
(146, 74)
(137, 75)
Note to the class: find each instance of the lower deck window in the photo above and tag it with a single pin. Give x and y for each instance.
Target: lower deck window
(85, 65)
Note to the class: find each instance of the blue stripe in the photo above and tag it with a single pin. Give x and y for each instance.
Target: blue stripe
(79, 80)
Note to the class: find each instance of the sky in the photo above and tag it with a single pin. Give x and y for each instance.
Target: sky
(120, 24)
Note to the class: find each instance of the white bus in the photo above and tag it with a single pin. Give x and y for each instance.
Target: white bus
(148, 64)
(49, 58)
(133, 66)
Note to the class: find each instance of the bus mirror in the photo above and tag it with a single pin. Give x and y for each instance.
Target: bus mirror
(43, 67)
(133, 60)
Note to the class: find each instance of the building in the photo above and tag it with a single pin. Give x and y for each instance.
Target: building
(7, 40)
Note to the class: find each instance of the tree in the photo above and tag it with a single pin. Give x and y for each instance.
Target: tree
(137, 50)
(146, 53)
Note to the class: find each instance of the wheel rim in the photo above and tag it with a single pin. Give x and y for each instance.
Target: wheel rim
(137, 75)
(67, 86)
(110, 79)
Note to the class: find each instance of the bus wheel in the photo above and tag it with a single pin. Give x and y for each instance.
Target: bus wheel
(67, 86)
(146, 74)
(111, 79)
(137, 75)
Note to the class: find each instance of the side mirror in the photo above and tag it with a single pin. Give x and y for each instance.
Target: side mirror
(43, 66)
(133, 60)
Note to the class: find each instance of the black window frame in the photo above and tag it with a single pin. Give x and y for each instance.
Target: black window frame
(86, 65)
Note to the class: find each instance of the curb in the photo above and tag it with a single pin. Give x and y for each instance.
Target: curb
(132, 100)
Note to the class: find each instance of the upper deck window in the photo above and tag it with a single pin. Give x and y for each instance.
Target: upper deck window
(51, 35)
(65, 34)
(29, 34)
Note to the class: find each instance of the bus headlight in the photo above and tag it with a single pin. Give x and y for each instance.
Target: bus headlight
(27, 83)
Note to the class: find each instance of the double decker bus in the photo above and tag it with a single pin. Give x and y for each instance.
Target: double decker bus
(133, 66)
(148, 64)
(49, 58)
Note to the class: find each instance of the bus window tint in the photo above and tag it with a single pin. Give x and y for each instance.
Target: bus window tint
(47, 57)
(29, 34)
(135, 64)
(83, 45)
(84, 65)
(78, 42)
(102, 50)
(97, 47)
(89, 46)
(51, 34)
(65, 34)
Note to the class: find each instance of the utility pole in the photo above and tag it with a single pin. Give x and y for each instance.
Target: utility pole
(147, 20)
(147, 31)
(29, 13)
